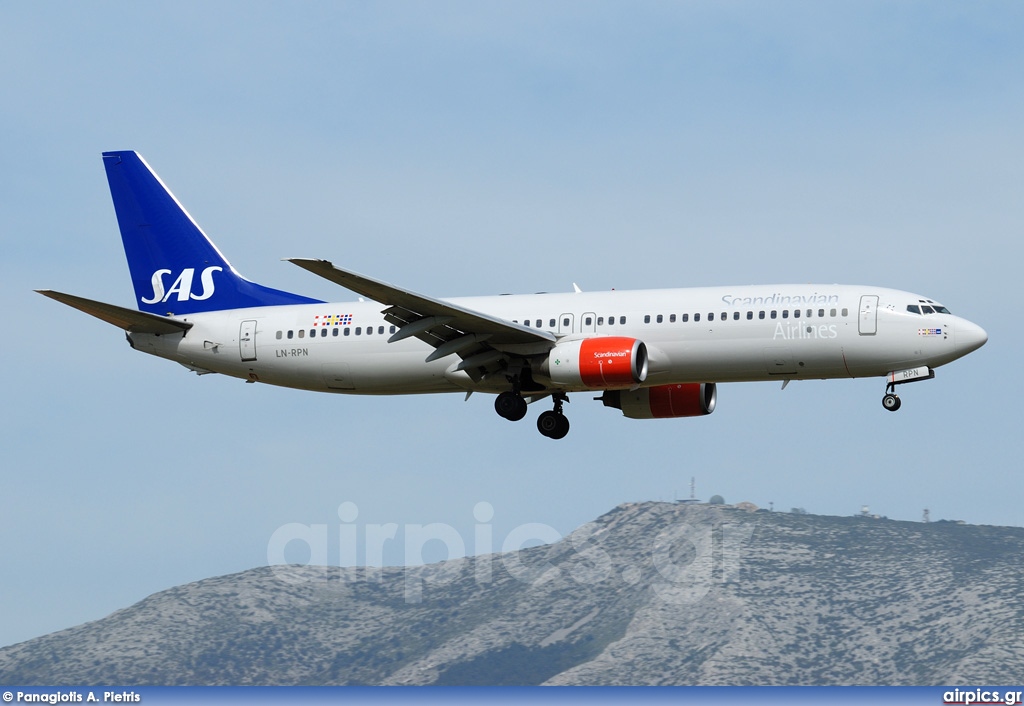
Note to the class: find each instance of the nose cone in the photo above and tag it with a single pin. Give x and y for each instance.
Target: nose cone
(969, 337)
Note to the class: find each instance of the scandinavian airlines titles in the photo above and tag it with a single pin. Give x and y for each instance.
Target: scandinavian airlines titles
(781, 299)
(183, 285)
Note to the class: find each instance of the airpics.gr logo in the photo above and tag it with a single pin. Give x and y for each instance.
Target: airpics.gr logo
(182, 285)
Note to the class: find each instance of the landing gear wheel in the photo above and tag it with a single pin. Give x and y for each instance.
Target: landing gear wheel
(891, 402)
(510, 406)
(553, 425)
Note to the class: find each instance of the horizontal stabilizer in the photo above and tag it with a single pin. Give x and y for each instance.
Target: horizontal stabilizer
(128, 319)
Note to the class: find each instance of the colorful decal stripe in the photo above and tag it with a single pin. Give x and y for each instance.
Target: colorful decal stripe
(332, 320)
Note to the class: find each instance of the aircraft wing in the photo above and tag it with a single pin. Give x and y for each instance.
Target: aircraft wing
(128, 319)
(478, 338)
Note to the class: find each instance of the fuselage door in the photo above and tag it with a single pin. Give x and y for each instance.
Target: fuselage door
(247, 340)
(868, 324)
(565, 323)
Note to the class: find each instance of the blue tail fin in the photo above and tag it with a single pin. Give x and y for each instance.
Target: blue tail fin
(174, 266)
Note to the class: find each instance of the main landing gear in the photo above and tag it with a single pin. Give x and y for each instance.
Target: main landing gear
(552, 424)
(510, 405)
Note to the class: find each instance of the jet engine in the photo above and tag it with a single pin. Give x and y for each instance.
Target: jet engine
(599, 363)
(681, 400)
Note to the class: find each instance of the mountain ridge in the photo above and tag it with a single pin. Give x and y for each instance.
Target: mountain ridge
(648, 593)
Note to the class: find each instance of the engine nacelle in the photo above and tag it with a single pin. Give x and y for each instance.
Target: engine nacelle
(693, 399)
(599, 363)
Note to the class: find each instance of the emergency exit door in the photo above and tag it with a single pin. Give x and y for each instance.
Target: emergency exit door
(247, 340)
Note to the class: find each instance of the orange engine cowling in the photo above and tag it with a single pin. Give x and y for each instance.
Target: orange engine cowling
(693, 399)
(599, 363)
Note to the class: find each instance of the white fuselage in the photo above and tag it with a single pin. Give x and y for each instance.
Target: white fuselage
(714, 334)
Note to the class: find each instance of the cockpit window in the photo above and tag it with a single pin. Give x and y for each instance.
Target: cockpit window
(929, 308)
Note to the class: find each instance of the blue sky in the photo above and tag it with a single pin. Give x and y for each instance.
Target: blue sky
(468, 148)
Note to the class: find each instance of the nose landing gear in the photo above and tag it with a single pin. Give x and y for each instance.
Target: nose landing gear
(891, 401)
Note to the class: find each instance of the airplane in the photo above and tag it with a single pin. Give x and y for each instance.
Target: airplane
(651, 354)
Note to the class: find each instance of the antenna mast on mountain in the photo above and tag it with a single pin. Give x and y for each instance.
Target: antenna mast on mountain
(693, 492)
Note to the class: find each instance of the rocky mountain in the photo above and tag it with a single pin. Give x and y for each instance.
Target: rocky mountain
(649, 593)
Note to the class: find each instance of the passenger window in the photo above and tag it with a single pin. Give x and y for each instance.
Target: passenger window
(760, 314)
(647, 318)
(686, 317)
(750, 315)
(323, 333)
(348, 331)
(278, 335)
(785, 313)
(334, 332)
(660, 318)
(369, 330)
(538, 323)
(359, 330)
(711, 316)
(393, 329)
(312, 333)
(832, 313)
(600, 321)
(735, 316)
(290, 333)
(566, 322)
(611, 320)
(551, 323)
(696, 317)
(622, 320)
(380, 330)
(821, 313)
(774, 314)
(846, 312)
(586, 321)
(724, 317)
(671, 318)
(526, 322)
(302, 333)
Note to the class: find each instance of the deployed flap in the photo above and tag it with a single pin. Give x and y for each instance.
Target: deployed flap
(128, 319)
(458, 318)
(482, 341)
